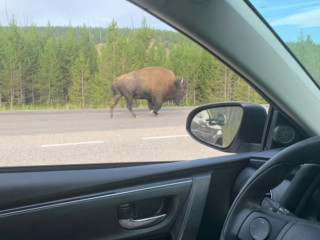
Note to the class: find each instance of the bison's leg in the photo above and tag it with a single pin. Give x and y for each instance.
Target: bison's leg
(156, 106)
(129, 106)
(150, 105)
(114, 102)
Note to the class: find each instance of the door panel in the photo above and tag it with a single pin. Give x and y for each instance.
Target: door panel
(33, 185)
(94, 216)
(78, 203)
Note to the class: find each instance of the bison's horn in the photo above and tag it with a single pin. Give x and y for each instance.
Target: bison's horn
(181, 82)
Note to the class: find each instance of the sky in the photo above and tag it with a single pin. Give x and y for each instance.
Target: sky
(288, 17)
(95, 13)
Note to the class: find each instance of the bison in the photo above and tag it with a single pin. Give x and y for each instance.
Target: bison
(156, 84)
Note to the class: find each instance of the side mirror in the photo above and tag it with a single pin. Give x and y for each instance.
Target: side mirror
(229, 127)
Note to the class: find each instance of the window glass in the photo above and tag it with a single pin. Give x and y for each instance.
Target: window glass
(58, 61)
(297, 23)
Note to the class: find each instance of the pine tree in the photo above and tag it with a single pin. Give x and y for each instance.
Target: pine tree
(160, 55)
(47, 79)
(80, 76)
(88, 48)
(110, 61)
(183, 61)
(69, 52)
(33, 48)
(141, 43)
(2, 72)
(90, 57)
(12, 54)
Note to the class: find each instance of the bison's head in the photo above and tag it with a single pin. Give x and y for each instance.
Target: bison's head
(181, 90)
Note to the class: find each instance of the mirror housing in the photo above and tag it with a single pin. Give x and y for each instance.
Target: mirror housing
(247, 126)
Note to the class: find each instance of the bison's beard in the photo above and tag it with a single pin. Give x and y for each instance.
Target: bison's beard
(177, 101)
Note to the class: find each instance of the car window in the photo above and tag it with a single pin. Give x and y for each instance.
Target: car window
(297, 23)
(58, 62)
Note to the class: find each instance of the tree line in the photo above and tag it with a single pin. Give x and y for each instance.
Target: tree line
(308, 53)
(74, 66)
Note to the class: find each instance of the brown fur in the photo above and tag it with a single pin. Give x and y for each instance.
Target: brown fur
(156, 84)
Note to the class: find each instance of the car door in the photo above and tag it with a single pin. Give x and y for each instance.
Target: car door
(156, 201)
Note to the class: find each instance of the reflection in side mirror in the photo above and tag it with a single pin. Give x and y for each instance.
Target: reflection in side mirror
(217, 126)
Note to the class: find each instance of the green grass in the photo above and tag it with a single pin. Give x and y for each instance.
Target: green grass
(46, 107)
(121, 104)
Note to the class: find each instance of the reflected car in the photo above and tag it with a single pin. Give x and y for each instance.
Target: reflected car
(207, 128)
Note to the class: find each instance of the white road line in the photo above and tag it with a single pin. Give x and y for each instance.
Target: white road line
(71, 144)
(163, 137)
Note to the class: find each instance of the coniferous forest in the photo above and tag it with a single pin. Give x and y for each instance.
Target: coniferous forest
(73, 67)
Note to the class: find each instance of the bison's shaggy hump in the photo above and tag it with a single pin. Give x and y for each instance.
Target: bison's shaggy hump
(156, 84)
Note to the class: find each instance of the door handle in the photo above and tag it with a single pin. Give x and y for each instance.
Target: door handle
(139, 223)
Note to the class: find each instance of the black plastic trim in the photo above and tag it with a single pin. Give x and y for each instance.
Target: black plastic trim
(249, 137)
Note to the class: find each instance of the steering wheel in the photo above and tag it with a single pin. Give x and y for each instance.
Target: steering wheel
(248, 220)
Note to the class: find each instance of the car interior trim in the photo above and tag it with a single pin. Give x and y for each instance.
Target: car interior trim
(11, 212)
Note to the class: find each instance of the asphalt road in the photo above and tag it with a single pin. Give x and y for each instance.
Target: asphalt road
(90, 136)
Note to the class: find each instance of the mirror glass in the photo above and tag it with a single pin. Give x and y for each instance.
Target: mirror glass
(217, 126)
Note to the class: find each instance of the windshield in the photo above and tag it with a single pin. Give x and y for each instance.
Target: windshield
(297, 23)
